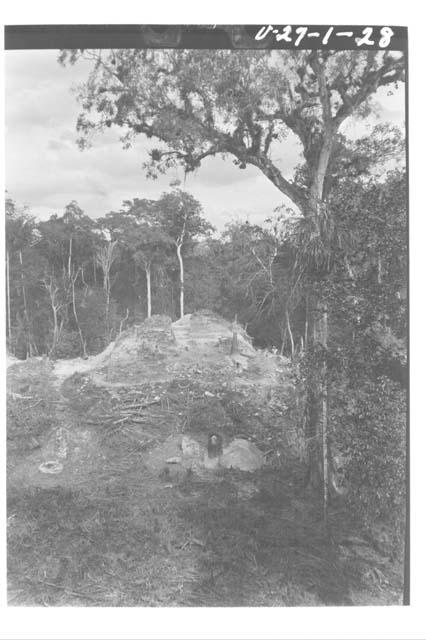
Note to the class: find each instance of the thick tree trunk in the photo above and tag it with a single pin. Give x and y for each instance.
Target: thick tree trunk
(148, 290)
(317, 412)
(317, 188)
(317, 318)
(181, 278)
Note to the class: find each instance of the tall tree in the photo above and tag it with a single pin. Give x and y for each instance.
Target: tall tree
(19, 238)
(201, 104)
(137, 226)
(180, 215)
(244, 103)
(57, 303)
(105, 258)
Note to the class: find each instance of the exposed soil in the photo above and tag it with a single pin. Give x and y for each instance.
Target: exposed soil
(114, 528)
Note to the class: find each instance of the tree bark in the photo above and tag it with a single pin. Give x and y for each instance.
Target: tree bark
(317, 406)
(317, 316)
(181, 278)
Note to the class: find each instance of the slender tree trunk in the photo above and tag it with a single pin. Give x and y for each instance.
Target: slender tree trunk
(9, 328)
(181, 279)
(126, 317)
(52, 291)
(325, 457)
(69, 258)
(107, 289)
(379, 269)
(107, 293)
(306, 321)
(55, 329)
(324, 417)
(74, 308)
(234, 346)
(55, 326)
(105, 258)
(407, 554)
(283, 333)
(314, 396)
(83, 281)
(290, 333)
(94, 271)
(148, 290)
(57, 306)
(24, 299)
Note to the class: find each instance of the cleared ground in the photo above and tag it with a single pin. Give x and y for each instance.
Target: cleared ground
(114, 529)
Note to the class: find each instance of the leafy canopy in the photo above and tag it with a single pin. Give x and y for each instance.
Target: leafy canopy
(204, 103)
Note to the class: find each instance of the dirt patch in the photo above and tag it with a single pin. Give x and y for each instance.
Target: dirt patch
(159, 350)
(112, 529)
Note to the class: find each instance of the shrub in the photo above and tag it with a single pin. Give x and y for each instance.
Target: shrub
(369, 427)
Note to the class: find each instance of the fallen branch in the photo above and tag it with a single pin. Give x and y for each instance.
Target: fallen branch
(19, 396)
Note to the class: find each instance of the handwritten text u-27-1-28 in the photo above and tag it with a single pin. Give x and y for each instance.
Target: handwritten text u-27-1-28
(296, 35)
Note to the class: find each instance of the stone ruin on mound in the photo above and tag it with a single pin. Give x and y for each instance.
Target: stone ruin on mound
(159, 346)
(201, 344)
(204, 329)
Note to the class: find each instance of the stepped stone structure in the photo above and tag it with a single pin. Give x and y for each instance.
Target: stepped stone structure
(205, 329)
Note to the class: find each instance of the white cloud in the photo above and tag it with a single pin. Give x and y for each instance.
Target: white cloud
(45, 169)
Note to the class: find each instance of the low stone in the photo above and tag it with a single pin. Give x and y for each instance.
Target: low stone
(242, 454)
(191, 447)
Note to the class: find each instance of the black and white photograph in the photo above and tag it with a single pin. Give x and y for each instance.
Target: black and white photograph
(206, 315)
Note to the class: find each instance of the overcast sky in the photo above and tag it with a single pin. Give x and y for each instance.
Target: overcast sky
(45, 170)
